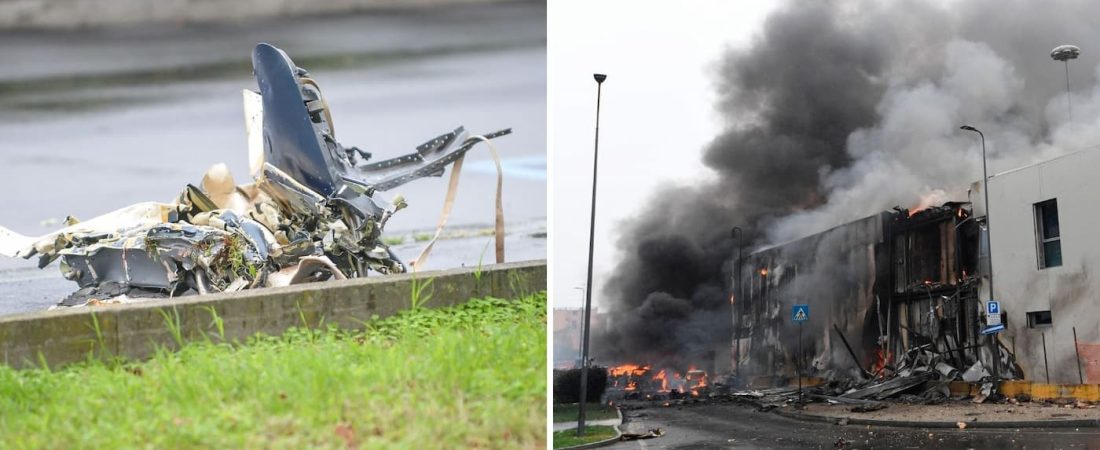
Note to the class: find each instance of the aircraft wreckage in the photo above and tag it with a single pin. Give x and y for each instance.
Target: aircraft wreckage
(311, 214)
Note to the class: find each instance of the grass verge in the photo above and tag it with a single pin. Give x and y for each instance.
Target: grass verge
(594, 411)
(569, 438)
(471, 376)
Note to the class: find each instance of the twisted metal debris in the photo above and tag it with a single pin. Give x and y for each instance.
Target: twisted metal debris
(311, 213)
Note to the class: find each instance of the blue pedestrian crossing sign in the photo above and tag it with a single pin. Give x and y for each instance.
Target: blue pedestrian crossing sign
(800, 313)
(993, 307)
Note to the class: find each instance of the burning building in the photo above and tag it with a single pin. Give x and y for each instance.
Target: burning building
(876, 287)
(900, 281)
(833, 113)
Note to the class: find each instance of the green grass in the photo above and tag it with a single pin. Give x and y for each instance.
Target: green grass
(594, 411)
(473, 376)
(568, 438)
(421, 292)
(393, 240)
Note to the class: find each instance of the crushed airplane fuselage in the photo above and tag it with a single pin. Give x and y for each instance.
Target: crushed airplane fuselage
(311, 214)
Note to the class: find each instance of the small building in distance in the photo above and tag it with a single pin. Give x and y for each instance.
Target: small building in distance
(568, 324)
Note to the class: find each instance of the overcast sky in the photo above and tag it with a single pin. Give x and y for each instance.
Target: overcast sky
(657, 114)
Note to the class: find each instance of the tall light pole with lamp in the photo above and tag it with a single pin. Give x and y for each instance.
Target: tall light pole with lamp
(1065, 53)
(579, 341)
(989, 248)
(591, 237)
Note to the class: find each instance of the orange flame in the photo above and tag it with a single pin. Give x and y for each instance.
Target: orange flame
(630, 375)
(927, 200)
(882, 358)
(663, 379)
(628, 369)
(697, 378)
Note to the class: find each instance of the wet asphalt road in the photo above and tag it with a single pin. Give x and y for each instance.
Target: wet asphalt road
(731, 425)
(94, 120)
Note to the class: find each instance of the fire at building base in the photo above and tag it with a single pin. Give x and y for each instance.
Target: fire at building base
(898, 305)
(894, 299)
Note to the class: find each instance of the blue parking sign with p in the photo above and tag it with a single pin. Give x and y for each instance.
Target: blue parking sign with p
(993, 307)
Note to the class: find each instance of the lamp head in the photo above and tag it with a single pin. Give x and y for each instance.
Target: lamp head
(968, 128)
(1065, 52)
(599, 77)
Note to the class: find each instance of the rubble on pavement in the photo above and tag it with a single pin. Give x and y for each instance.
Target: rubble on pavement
(921, 377)
(654, 433)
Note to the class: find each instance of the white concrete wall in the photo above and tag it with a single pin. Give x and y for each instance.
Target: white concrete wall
(1069, 291)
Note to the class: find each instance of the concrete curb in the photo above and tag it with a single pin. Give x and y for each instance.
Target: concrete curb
(1074, 423)
(605, 442)
(134, 331)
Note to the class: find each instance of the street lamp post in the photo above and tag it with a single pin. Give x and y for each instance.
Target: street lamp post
(1065, 53)
(591, 237)
(989, 249)
(579, 342)
(737, 233)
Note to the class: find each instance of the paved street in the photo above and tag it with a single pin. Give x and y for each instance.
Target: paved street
(731, 425)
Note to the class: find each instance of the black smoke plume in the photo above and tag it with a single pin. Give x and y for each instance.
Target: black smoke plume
(836, 111)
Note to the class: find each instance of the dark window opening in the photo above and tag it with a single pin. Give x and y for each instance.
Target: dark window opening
(1036, 319)
(921, 257)
(1047, 234)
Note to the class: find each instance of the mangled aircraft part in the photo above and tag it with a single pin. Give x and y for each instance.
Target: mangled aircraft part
(888, 388)
(984, 392)
(653, 433)
(975, 372)
(310, 214)
(845, 400)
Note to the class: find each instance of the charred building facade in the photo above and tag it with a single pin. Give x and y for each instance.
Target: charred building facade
(876, 288)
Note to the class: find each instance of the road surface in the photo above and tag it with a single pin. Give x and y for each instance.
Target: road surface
(733, 425)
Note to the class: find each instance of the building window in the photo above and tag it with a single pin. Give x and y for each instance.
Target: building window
(1036, 319)
(1047, 235)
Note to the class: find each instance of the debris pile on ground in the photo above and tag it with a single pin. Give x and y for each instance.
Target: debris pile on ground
(311, 213)
(921, 377)
(654, 433)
